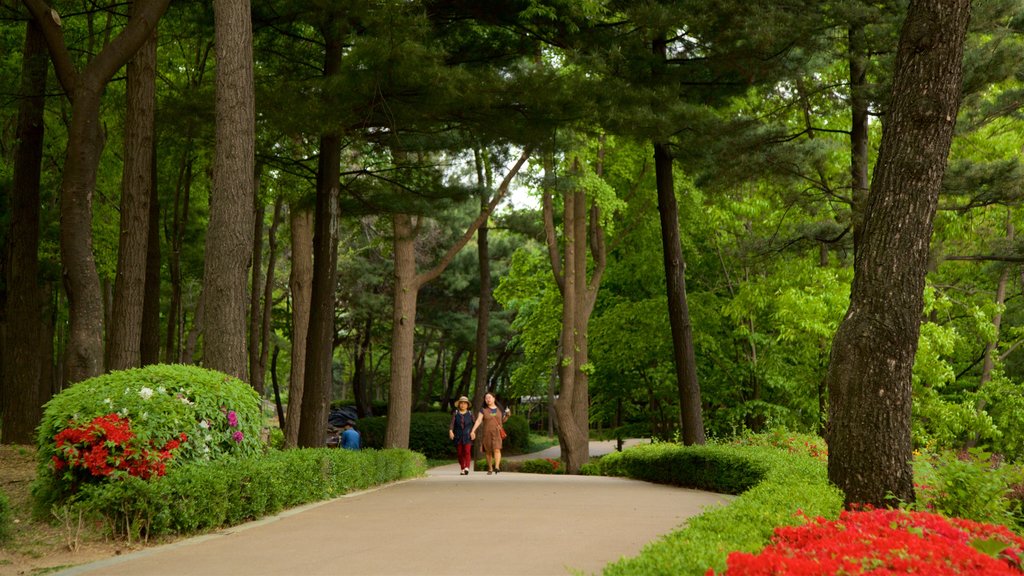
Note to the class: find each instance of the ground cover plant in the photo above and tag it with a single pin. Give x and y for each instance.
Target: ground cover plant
(884, 542)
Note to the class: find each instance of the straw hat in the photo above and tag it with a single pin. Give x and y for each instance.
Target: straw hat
(461, 400)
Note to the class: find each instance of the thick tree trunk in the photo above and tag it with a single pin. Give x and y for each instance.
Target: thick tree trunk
(300, 284)
(23, 396)
(316, 395)
(229, 236)
(873, 352)
(691, 418)
(84, 353)
(125, 346)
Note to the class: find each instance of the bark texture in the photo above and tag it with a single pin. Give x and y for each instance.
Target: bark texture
(23, 394)
(683, 354)
(300, 284)
(869, 377)
(125, 346)
(229, 236)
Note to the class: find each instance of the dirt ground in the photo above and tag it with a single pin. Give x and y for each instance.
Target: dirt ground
(39, 547)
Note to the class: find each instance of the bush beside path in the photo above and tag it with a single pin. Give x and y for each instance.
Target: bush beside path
(443, 524)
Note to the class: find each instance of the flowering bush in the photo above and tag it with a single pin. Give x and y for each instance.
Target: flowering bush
(885, 542)
(106, 446)
(82, 434)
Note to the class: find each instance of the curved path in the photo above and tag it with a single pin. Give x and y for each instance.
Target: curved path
(514, 524)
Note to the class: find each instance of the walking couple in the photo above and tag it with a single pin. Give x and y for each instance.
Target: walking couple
(463, 431)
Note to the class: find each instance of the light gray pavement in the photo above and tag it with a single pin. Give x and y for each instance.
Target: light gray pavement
(445, 523)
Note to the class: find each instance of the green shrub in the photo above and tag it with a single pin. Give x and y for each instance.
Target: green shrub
(428, 434)
(205, 495)
(6, 525)
(774, 487)
(220, 416)
(542, 466)
(971, 485)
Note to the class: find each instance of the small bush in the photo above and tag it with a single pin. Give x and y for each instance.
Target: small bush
(971, 485)
(428, 434)
(141, 422)
(774, 485)
(206, 495)
(6, 525)
(542, 466)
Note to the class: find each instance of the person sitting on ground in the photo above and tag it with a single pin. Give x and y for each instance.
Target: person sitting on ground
(349, 436)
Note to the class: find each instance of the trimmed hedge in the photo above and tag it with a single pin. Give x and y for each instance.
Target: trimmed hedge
(428, 434)
(774, 487)
(201, 496)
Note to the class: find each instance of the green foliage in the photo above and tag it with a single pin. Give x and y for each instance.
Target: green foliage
(970, 485)
(778, 484)
(428, 434)
(201, 496)
(542, 466)
(219, 414)
(6, 525)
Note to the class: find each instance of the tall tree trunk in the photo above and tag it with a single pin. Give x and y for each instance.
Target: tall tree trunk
(22, 398)
(873, 352)
(175, 322)
(255, 292)
(268, 293)
(84, 353)
(300, 284)
(572, 408)
(316, 394)
(229, 236)
(691, 418)
(989, 364)
(150, 346)
(125, 345)
(483, 312)
(407, 286)
(402, 334)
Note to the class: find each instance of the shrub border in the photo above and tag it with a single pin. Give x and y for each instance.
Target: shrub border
(774, 486)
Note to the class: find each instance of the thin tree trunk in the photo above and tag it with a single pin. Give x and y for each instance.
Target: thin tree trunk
(316, 394)
(859, 129)
(360, 376)
(125, 344)
(483, 313)
(869, 377)
(300, 284)
(22, 398)
(268, 290)
(229, 236)
(255, 292)
(150, 346)
(691, 418)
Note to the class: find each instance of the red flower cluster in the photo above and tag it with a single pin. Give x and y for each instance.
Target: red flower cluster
(106, 445)
(885, 542)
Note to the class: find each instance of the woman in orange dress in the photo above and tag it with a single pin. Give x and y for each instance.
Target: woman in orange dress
(491, 417)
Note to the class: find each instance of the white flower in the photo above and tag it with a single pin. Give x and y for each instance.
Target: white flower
(204, 424)
(161, 390)
(107, 401)
(146, 393)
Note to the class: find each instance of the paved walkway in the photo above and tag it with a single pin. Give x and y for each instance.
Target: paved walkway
(505, 524)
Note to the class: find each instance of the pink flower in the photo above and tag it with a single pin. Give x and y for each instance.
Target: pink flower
(237, 436)
(232, 419)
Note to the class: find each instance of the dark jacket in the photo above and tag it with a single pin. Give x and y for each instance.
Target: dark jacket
(462, 425)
